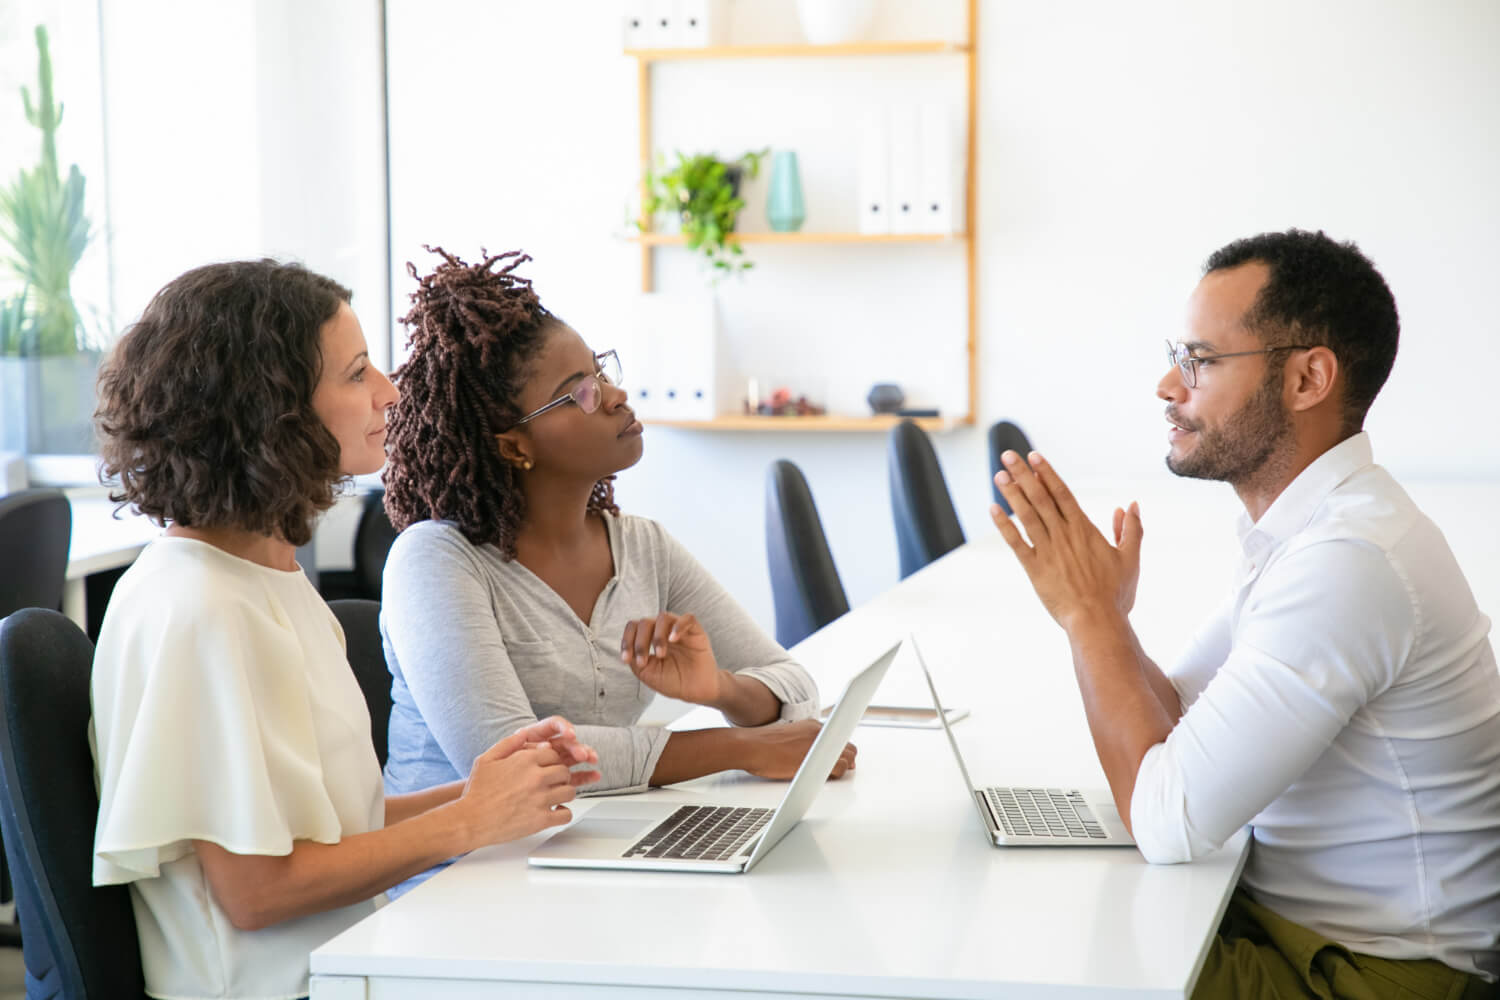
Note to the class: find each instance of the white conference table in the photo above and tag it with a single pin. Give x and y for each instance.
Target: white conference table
(888, 888)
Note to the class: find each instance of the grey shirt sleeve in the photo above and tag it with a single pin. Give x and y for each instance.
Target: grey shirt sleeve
(739, 644)
(447, 631)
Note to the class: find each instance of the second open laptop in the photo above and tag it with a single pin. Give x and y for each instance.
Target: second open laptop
(1022, 816)
(661, 836)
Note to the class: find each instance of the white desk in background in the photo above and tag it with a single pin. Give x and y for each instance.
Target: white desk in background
(888, 888)
(100, 542)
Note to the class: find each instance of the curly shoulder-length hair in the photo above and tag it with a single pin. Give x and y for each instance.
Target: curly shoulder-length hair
(205, 411)
(474, 330)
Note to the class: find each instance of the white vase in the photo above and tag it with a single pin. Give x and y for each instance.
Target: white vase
(834, 22)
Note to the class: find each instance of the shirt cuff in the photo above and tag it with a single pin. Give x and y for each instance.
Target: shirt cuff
(627, 757)
(795, 704)
(1159, 818)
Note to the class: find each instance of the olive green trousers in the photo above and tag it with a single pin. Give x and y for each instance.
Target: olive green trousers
(1258, 954)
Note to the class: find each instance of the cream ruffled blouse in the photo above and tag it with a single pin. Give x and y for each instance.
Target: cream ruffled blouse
(224, 710)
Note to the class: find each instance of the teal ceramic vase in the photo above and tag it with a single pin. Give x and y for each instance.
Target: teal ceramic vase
(784, 200)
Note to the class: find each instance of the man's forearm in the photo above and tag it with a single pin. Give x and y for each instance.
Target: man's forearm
(1163, 689)
(1126, 711)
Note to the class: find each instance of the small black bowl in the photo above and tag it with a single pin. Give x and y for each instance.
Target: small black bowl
(886, 398)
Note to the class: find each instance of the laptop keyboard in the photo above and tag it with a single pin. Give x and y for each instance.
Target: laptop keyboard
(1043, 812)
(702, 833)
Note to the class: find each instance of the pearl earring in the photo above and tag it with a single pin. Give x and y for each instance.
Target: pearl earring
(526, 464)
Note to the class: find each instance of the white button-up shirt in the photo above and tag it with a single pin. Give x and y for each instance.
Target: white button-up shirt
(1345, 702)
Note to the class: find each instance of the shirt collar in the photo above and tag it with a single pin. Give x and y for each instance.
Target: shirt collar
(1290, 512)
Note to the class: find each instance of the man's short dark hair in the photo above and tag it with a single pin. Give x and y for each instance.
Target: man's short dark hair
(205, 406)
(1325, 293)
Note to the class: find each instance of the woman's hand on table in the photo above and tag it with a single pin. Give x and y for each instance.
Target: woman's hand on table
(777, 750)
(522, 783)
(560, 735)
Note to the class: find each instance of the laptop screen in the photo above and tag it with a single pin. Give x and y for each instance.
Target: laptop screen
(824, 751)
(937, 704)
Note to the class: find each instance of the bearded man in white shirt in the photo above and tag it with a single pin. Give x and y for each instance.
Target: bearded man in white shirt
(1345, 701)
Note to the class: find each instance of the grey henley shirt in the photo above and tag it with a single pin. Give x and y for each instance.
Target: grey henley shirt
(479, 647)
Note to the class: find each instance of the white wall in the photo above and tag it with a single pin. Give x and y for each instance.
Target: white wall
(1118, 146)
(246, 128)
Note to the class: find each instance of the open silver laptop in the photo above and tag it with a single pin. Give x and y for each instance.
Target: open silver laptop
(662, 836)
(1035, 817)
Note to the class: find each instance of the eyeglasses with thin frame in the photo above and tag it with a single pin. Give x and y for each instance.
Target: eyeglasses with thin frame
(588, 392)
(1187, 362)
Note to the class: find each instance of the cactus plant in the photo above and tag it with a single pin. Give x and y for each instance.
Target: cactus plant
(13, 325)
(43, 222)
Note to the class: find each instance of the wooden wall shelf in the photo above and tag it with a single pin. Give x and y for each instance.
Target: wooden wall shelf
(677, 239)
(830, 423)
(650, 242)
(797, 51)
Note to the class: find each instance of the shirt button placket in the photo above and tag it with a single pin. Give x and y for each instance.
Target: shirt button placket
(598, 669)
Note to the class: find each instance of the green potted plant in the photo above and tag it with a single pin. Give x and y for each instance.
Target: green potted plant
(703, 192)
(47, 364)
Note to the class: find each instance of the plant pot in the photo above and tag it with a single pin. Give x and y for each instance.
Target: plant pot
(733, 174)
(834, 22)
(47, 404)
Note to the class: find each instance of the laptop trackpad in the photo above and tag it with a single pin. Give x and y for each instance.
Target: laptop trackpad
(608, 829)
(620, 819)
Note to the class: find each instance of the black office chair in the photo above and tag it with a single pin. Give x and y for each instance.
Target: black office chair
(361, 622)
(372, 543)
(36, 527)
(1005, 436)
(78, 941)
(805, 585)
(926, 524)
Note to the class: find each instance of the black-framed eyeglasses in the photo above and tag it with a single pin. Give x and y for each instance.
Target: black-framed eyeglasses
(588, 392)
(1187, 362)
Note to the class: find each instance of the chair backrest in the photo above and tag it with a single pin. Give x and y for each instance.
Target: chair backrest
(361, 622)
(926, 524)
(805, 583)
(1005, 436)
(36, 527)
(77, 940)
(372, 543)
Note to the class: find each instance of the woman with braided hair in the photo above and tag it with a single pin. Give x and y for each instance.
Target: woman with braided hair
(239, 793)
(516, 589)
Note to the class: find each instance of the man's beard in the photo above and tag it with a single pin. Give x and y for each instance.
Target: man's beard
(1238, 450)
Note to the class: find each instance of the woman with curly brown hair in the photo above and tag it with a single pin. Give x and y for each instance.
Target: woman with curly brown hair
(240, 796)
(517, 589)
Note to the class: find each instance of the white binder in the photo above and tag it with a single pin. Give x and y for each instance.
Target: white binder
(634, 23)
(701, 23)
(670, 357)
(906, 169)
(939, 177)
(661, 24)
(874, 172)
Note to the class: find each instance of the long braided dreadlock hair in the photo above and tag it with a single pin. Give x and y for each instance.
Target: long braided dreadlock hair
(473, 330)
